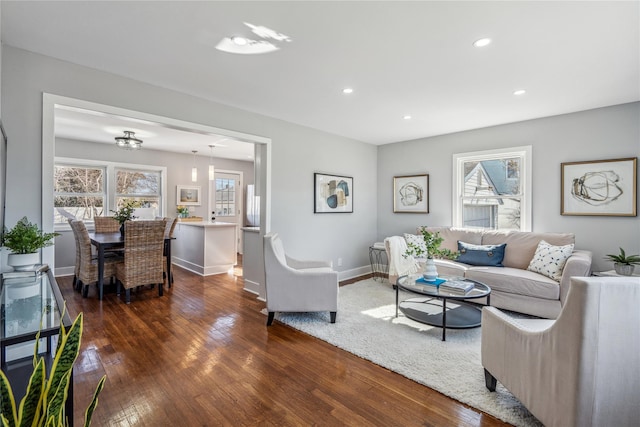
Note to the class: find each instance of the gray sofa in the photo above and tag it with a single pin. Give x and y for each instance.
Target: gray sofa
(513, 286)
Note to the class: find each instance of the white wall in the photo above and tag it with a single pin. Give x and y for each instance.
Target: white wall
(297, 152)
(604, 133)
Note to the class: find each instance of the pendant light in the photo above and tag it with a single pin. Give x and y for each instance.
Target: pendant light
(194, 169)
(212, 169)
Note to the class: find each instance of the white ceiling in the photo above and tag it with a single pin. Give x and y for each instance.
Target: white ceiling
(85, 125)
(400, 58)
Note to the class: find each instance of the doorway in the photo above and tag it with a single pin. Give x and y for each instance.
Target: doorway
(262, 147)
(225, 200)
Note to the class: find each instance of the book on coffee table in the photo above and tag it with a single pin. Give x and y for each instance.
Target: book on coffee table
(436, 283)
(457, 286)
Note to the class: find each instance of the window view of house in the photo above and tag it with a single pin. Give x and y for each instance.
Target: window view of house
(492, 193)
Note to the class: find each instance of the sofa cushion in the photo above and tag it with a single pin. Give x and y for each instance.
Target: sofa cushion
(417, 241)
(549, 259)
(516, 281)
(521, 245)
(447, 267)
(489, 255)
(451, 235)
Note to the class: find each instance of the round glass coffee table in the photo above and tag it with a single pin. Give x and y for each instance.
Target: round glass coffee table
(462, 315)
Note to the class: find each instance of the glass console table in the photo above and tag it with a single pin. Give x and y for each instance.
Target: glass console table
(30, 301)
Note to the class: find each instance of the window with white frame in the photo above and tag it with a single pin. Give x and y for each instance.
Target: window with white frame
(492, 189)
(78, 190)
(88, 188)
(141, 187)
(225, 197)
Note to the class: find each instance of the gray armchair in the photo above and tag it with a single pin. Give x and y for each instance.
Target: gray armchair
(297, 286)
(582, 369)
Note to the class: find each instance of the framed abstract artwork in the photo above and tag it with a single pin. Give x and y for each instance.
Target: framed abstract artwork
(332, 193)
(188, 195)
(599, 187)
(411, 194)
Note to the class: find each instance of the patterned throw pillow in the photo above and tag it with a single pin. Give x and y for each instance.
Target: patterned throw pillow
(549, 260)
(417, 241)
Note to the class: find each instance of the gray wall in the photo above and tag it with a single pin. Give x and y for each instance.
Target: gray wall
(604, 133)
(297, 152)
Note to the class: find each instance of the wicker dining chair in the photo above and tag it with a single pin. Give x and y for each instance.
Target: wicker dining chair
(168, 234)
(143, 260)
(76, 268)
(106, 224)
(88, 266)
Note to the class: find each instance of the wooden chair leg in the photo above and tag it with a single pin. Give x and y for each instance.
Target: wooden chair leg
(270, 318)
(127, 296)
(118, 287)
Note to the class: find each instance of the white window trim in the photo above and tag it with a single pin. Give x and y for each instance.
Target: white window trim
(110, 179)
(459, 159)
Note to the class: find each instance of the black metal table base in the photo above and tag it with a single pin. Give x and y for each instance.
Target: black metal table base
(462, 316)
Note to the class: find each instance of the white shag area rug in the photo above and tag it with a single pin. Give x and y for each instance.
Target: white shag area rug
(367, 327)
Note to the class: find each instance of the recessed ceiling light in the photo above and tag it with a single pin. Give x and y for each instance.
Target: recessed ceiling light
(519, 92)
(482, 42)
(347, 90)
(407, 117)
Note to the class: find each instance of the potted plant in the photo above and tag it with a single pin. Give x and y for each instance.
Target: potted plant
(25, 240)
(623, 264)
(430, 248)
(125, 213)
(44, 402)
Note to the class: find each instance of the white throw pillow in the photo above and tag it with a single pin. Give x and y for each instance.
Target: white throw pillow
(416, 240)
(549, 260)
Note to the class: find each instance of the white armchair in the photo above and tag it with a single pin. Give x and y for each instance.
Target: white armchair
(297, 286)
(582, 369)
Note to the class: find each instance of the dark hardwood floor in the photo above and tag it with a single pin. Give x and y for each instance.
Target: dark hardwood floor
(201, 355)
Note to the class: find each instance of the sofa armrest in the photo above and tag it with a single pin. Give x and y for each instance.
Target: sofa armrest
(578, 264)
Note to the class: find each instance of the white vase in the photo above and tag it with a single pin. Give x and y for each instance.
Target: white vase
(23, 262)
(430, 273)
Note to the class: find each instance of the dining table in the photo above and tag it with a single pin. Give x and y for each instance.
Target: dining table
(105, 241)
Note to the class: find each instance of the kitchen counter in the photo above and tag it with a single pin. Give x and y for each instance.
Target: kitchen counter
(205, 247)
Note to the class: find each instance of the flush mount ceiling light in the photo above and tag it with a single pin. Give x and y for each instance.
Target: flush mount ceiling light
(519, 92)
(407, 117)
(128, 141)
(245, 46)
(347, 90)
(482, 42)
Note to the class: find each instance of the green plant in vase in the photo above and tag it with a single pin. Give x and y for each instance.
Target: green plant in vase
(430, 249)
(45, 398)
(623, 264)
(125, 213)
(25, 240)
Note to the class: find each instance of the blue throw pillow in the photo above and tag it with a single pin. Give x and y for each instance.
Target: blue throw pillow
(487, 255)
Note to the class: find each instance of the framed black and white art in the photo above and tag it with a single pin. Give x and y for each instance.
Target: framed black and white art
(599, 187)
(411, 194)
